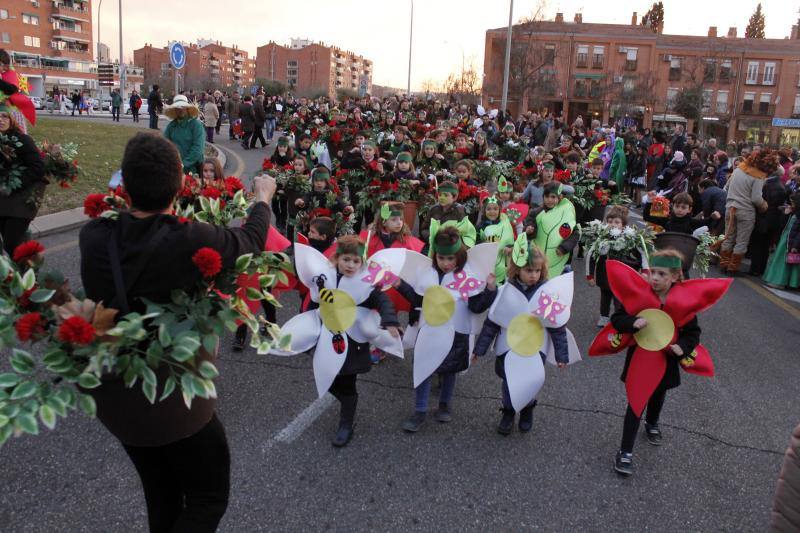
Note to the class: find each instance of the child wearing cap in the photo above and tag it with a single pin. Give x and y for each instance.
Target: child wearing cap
(322, 200)
(400, 143)
(429, 161)
(445, 210)
(353, 158)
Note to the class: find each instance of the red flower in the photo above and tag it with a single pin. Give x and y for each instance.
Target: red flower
(208, 261)
(211, 192)
(331, 123)
(24, 299)
(27, 251)
(320, 212)
(463, 151)
(563, 175)
(336, 137)
(267, 165)
(288, 166)
(63, 184)
(120, 193)
(184, 220)
(29, 326)
(233, 185)
(95, 204)
(314, 133)
(76, 330)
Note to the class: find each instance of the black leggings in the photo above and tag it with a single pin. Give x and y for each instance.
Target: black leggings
(13, 230)
(631, 425)
(258, 134)
(606, 297)
(344, 385)
(186, 483)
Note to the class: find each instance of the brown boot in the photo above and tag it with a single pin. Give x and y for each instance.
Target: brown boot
(725, 259)
(735, 262)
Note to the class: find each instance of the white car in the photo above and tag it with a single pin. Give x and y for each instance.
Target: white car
(37, 102)
(142, 109)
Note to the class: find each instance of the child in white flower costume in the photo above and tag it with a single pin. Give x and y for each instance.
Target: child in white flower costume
(341, 322)
(451, 290)
(526, 306)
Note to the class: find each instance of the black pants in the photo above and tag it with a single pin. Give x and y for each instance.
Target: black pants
(344, 385)
(606, 297)
(153, 121)
(210, 134)
(186, 483)
(258, 135)
(230, 129)
(13, 231)
(631, 425)
(115, 113)
(246, 139)
(135, 114)
(760, 243)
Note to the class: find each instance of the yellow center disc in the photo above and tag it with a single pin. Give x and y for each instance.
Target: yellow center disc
(438, 305)
(338, 311)
(525, 335)
(659, 330)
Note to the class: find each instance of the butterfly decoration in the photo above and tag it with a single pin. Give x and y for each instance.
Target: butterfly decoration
(379, 275)
(464, 284)
(549, 307)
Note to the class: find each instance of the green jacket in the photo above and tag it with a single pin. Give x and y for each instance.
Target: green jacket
(189, 135)
(116, 100)
(619, 164)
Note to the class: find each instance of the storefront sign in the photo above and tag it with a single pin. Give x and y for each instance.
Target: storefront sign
(786, 122)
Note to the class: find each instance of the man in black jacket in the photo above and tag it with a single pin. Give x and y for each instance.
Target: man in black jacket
(154, 105)
(181, 454)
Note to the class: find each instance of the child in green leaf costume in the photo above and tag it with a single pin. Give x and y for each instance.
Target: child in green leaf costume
(552, 228)
(494, 226)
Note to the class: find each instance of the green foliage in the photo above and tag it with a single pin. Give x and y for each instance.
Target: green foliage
(755, 26)
(654, 18)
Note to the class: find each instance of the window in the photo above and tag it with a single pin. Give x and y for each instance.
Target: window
(549, 54)
(30, 19)
(796, 108)
(291, 72)
(291, 63)
(675, 69)
(583, 55)
(628, 85)
(722, 102)
(6, 38)
(3, 14)
(671, 95)
(747, 104)
(708, 95)
(32, 41)
(710, 71)
(630, 58)
(764, 102)
(598, 56)
(292, 81)
(725, 69)
(580, 89)
(769, 73)
(752, 72)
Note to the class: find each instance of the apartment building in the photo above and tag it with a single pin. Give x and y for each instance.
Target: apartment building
(740, 88)
(311, 69)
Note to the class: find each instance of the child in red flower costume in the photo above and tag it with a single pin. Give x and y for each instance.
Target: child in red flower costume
(658, 325)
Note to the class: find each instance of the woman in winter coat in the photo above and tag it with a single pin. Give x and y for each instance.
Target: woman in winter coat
(210, 118)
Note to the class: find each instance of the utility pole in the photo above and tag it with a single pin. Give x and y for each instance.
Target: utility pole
(504, 104)
(410, 40)
(121, 56)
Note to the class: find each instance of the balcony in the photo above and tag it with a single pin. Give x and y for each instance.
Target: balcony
(749, 107)
(68, 52)
(81, 35)
(597, 61)
(582, 61)
(630, 64)
(72, 12)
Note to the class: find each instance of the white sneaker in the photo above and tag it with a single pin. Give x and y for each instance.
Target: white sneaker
(603, 321)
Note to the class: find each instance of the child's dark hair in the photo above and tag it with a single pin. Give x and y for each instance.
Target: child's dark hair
(324, 226)
(447, 237)
(618, 211)
(554, 187)
(463, 163)
(348, 245)
(670, 252)
(534, 256)
(683, 198)
(597, 162)
(572, 157)
(706, 183)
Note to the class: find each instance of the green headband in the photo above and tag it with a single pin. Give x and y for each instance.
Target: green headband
(404, 156)
(549, 164)
(503, 185)
(387, 212)
(666, 261)
(320, 174)
(370, 143)
(448, 187)
(429, 142)
(451, 249)
(283, 141)
(492, 200)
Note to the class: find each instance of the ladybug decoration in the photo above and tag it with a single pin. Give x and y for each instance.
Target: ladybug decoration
(565, 230)
(338, 343)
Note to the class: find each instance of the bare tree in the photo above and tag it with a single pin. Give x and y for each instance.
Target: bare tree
(464, 84)
(530, 72)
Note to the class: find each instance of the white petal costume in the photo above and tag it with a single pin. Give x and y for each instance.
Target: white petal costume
(523, 335)
(339, 315)
(444, 305)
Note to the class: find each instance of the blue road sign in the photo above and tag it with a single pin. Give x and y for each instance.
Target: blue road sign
(177, 55)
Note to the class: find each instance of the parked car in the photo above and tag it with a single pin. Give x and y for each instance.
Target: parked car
(37, 102)
(142, 109)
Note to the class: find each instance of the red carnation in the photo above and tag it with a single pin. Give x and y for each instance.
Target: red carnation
(76, 330)
(95, 205)
(208, 261)
(336, 137)
(288, 166)
(27, 251)
(184, 220)
(24, 299)
(233, 185)
(211, 192)
(267, 165)
(29, 326)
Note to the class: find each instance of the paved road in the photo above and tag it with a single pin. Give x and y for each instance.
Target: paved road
(724, 440)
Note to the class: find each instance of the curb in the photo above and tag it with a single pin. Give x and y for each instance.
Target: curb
(58, 222)
(223, 159)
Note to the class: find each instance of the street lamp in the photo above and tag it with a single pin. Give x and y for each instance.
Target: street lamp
(508, 57)
(410, 40)
(121, 56)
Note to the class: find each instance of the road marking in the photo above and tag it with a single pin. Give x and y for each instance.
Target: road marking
(772, 298)
(61, 247)
(302, 422)
(785, 295)
(239, 161)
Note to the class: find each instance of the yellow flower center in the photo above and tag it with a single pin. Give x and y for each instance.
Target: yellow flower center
(659, 331)
(337, 310)
(525, 335)
(438, 305)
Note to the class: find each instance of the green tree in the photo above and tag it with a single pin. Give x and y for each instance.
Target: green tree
(755, 26)
(654, 18)
(271, 87)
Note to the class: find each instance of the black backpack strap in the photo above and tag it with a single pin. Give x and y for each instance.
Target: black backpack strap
(120, 286)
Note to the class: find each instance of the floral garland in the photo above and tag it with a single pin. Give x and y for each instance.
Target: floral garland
(705, 252)
(81, 341)
(600, 240)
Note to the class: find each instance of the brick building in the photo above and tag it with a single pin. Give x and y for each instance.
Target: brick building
(611, 72)
(311, 69)
(209, 65)
(50, 42)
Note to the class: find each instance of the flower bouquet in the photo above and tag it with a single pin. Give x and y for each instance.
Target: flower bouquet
(600, 239)
(60, 162)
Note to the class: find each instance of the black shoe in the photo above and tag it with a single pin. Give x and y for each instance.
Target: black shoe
(443, 414)
(623, 463)
(506, 422)
(415, 422)
(526, 418)
(240, 339)
(344, 434)
(653, 434)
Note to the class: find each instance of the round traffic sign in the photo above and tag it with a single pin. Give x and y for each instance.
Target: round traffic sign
(177, 55)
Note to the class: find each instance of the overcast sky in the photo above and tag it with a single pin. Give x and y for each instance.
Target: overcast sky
(379, 29)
